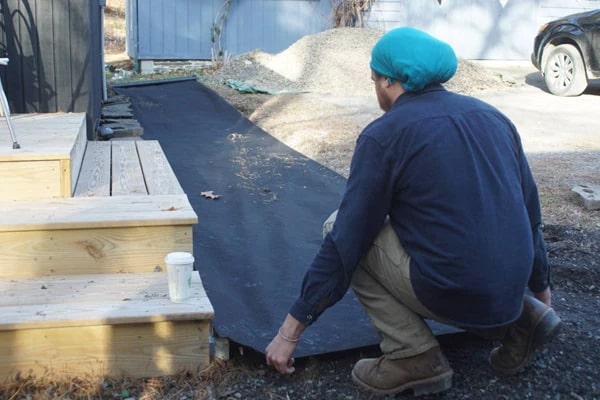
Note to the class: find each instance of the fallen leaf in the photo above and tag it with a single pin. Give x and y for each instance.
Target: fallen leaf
(210, 195)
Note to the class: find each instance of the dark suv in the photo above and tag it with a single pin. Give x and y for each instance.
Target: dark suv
(567, 52)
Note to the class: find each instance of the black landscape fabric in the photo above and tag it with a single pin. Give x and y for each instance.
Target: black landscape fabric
(253, 244)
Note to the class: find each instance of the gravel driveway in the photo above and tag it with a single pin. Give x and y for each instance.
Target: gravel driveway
(547, 123)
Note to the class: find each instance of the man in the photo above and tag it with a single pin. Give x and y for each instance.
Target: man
(440, 219)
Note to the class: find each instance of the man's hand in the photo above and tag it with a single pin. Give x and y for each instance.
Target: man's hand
(279, 355)
(544, 296)
(280, 350)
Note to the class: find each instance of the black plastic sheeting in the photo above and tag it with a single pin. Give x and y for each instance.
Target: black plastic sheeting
(252, 244)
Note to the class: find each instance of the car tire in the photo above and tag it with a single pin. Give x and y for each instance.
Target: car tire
(564, 72)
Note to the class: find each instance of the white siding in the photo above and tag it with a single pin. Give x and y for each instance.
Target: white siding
(477, 29)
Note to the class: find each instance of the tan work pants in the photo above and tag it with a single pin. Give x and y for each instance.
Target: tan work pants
(382, 284)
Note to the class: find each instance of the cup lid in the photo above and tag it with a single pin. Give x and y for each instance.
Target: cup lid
(179, 257)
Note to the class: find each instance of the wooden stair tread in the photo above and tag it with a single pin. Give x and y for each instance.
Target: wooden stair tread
(95, 212)
(126, 168)
(42, 136)
(158, 174)
(96, 299)
(50, 157)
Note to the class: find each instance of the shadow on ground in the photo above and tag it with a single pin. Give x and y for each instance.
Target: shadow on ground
(536, 79)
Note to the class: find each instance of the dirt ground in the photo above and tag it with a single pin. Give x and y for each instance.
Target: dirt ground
(324, 126)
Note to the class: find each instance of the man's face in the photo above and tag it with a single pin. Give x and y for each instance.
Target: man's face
(381, 90)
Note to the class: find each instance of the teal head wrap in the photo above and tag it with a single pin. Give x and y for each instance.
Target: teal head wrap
(414, 58)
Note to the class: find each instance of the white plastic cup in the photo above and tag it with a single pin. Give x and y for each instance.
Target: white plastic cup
(179, 270)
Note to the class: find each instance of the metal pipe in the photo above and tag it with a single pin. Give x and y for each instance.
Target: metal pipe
(102, 54)
(6, 109)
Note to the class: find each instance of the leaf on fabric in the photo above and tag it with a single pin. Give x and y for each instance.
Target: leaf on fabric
(209, 194)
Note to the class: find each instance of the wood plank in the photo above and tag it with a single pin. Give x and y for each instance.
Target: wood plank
(63, 69)
(159, 176)
(85, 251)
(29, 45)
(27, 180)
(97, 299)
(127, 176)
(57, 138)
(133, 350)
(95, 212)
(94, 178)
(11, 22)
(66, 184)
(41, 136)
(77, 154)
(80, 51)
(44, 23)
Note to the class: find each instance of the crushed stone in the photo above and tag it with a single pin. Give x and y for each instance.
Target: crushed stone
(334, 61)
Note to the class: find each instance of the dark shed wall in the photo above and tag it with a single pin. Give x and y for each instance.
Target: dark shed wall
(55, 52)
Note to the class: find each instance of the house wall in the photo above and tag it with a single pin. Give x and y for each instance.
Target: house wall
(181, 29)
(552, 9)
(477, 29)
(55, 52)
(170, 29)
(273, 25)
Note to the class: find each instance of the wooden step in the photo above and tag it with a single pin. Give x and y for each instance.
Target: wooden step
(49, 160)
(126, 168)
(102, 324)
(83, 235)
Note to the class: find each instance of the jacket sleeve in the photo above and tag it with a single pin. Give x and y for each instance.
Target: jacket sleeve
(361, 215)
(540, 274)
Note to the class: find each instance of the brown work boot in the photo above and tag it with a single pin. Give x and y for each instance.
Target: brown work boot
(425, 373)
(537, 324)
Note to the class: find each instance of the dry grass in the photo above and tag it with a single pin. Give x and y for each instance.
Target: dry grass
(206, 385)
(114, 29)
(556, 174)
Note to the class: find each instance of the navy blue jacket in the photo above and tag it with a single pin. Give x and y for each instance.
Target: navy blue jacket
(450, 172)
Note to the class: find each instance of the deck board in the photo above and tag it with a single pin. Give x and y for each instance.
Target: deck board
(86, 251)
(49, 160)
(95, 212)
(127, 174)
(159, 176)
(94, 179)
(96, 299)
(42, 136)
(22, 180)
(131, 350)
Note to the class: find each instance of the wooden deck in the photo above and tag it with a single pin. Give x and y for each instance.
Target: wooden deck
(82, 235)
(82, 268)
(126, 168)
(49, 160)
(127, 320)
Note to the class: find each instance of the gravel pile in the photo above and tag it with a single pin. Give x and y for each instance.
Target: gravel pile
(334, 61)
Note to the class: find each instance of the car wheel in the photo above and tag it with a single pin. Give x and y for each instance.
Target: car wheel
(564, 71)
